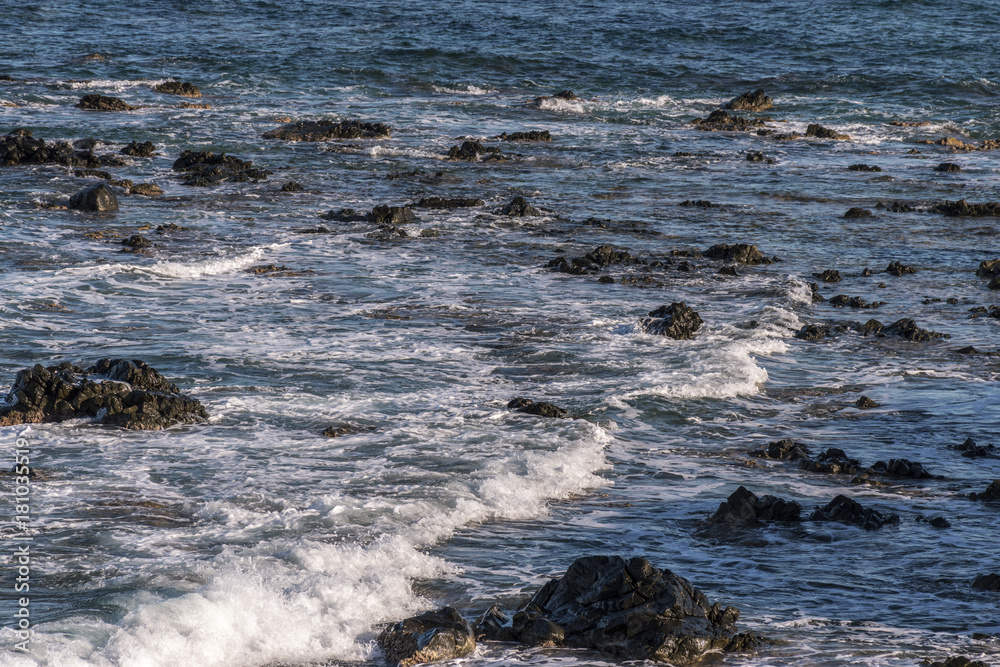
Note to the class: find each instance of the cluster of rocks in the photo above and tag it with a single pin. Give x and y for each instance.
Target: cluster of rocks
(722, 120)
(325, 130)
(990, 269)
(904, 328)
(626, 609)
(970, 449)
(184, 89)
(820, 132)
(863, 167)
(742, 253)
(842, 300)
(992, 492)
(756, 100)
(744, 508)
(447, 202)
(532, 135)
(964, 208)
(205, 168)
(124, 393)
(836, 462)
(473, 151)
(518, 207)
(959, 145)
(20, 147)
(137, 149)
(96, 102)
(594, 261)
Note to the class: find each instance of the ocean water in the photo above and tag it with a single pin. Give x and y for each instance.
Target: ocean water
(254, 540)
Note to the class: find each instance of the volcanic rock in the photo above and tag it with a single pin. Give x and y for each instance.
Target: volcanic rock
(865, 403)
(987, 582)
(842, 300)
(720, 119)
(829, 276)
(744, 253)
(821, 132)
(533, 135)
(20, 147)
(744, 508)
(846, 510)
(429, 637)
(97, 198)
(786, 450)
(899, 269)
(207, 168)
(831, 462)
(863, 167)
(183, 89)
(678, 320)
(950, 167)
(908, 329)
(325, 130)
(473, 150)
(135, 149)
(750, 101)
(103, 103)
(447, 202)
(857, 212)
(991, 493)
(595, 260)
(988, 268)
(539, 408)
(963, 208)
(519, 207)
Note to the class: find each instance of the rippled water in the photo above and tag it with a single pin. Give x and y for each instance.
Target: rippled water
(253, 540)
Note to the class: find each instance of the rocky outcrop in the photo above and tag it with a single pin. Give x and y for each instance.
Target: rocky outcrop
(744, 508)
(987, 582)
(678, 320)
(907, 329)
(971, 450)
(899, 269)
(894, 468)
(103, 103)
(964, 208)
(722, 120)
(743, 253)
(948, 167)
(958, 661)
(532, 135)
(988, 268)
(567, 95)
(125, 393)
(447, 202)
(292, 186)
(863, 167)
(473, 150)
(829, 276)
(325, 130)
(382, 214)
(991, 493)
(97, 198)
(146, 189)
(865, 403)
(184, 89)
(429, 637)
(600, 257)
(845, 510)
(207, 168)
(820, 132)
(857, 212)
(518, 207)
(539, 408)
(783, 450)
(750, 101)
(136, 149)
(19, 147)
(630, 610)
(831, 462)
(842, 300)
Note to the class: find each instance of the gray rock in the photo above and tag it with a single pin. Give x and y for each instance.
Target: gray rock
(98, 198)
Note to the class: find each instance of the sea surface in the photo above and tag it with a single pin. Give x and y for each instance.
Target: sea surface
(252, 539)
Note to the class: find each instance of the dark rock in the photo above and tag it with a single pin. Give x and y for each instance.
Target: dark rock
(678, 320)
(958, 661)
(391, 215)
(147, 189)
(971, 450)
(744, 253)
(606, 280)
(987, 582)
(103, 103)
(346, 215)
(518, 207)
(865, 403)
(97, 198)
(758, 156)
(898, 269)
(787, 450)
(842, 300)
(530, 627)
(19, 147)
(169, 228)
(991, 493)
(207, 168)
(725, 121)
(129, 394)
(447, 202)
(863, 167)
(948, 167)
(831, 462)
(429, 637)
(137, 242)
(814, 293)
(994, 284)
(895, 468)
(900, 207)
(821, 132)
(750, 101)
(988, 268)
(686, 267)
(473, 150)
(567, 95)
(346, 429)
(630, 610)
(857, 212)
(846, 510)
(829, 276)
(700, 203)
(728, 271)
(533, 135)
(135, 149)
(908, 329)
(292, 186)
(812, 332)
(494, 625)
(963, 208)
(939, 522)
(183, 89)
(595, 260)
(93, 173)
(744, 508)
(539, 408)
(325, 130)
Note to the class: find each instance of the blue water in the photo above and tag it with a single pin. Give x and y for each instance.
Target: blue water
(254, 540)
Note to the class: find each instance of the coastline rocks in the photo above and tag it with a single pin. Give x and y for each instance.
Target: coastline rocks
(743, 253)
(842, 300)
(899, 468)
(898, 269)
(566, 95)
(532, 135)
(630, 610)
(958, 661)
(145, 189)
(963, 208)
(382, 214)
(971, 450)
(678, 321)
(518, 207)
(20, 147)
(447, 202)
(539, 408)
(750, 101)
(97, 198)
(988, 268)
(845, 510)
(783, 450)
(125, 393)
(820, 132)
(473, 150)
(103, 103)
(325, 130)
(987, 582)
(207, 168)
(907, 329)
(857, 212)
(831, 462)
(744, 508)
(720, 119)
(593, 261)
(948, 167)
(991, 493)
(431, 636)
(863, 167)
(829, 276)
(135, 149)
(865, 403)
(184, 89)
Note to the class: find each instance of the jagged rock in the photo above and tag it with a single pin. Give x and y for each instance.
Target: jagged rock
(473, 150)
(183, 89)
(857, 212)
(842, 300)
(728, 271)
(865, 403)
(786, 449)
(447, 202)
(750, 101)
(900, 468)
(846, 510)
(971, 450)
(146, 189)
(103, 103)
(908, 329)
(392, 215)
(593, 261)
(829, 276)
(494, 625)
(815, 130)
(346, 215)
(962, 208)
(678, 320)
(988, 268)
(539, 408)
(831, 462)
(863, 167)
(532, 135)
(137, 242)
(20, 147)
(292, 186)
(136, 149)
(744, 508)
(98, 198)
(172, 227)
(994, 284)
(532, 628)
(519, 207)
(991, 493)
(758, 156)
(429, 637)
(744, 253)
(630, 610)
(720, 119)
(899, 207)
(207, 168)
(950, 167)
(325, 130)
(129, 394)
(958, 661)
(987, 582)
(899, 269)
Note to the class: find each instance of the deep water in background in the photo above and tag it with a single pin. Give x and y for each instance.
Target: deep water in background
(254, 540)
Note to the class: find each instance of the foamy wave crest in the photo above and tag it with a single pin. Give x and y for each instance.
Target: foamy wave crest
(559, 104)
(463, 90)
(111, 84)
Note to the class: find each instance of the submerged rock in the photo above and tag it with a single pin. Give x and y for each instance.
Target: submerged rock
(991, 493)
(146, 189)
(845, 510)
(744, 253)
(20, 147)
(325, 130)
(949, 167)
(832, 462)
(750, 101)
(429, 637)
(958, 661)
(104, 103)
(908, 330)
(447, 202)
(744, 508)
(532, 135)
(136, 149)
(963, 208)
(539, 408)
(863, 167)
(820, 132)
(865, 403)
(842, 300)
(971, 450)
(184, 89)
(829, 276)
(630, 610)
(899, 269)
(519, 207)
(988, 268)
(125, 393)
(987, 582)
(473, 150)
(98, 198)
(678, 320)
(857, 212)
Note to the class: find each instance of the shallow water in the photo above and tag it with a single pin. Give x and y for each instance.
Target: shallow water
(253, 540)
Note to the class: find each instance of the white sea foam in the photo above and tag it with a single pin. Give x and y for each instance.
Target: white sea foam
(561, 105)
(468, 89)
(113, 85)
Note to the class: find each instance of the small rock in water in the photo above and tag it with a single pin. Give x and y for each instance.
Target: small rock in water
(787, 450)
(97, 198)
(857, 212)
(846, 510)
(103, 103)
(750, 101)
(519, 207)
(829, 276)
(539, 408)
(987, 582)
(865, 403)
(136, 149)
(183, 89)
(991, 493)
(948, 167)
(429, 637)
(678, 320)
(863, 167)
(325, 130)
(821, 132)
(744, 508)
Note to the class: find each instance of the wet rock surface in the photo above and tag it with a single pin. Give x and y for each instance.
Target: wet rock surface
(842, 301)
(429, 637)
(782, 450)
(532, 135)
(992, 492)
(137, 149)
(744, 508)
(600, 257)
(743, 253)
(472, 151)
(678, 321)
(722, 120)
(447, 202)
(207, 168)
(970, 449)
(987, 582)
(857, 212)
(864, 167)
(964, 208)
(846, 510)
(124, 393)
(831, 462)
(326, 130)
(103, 103)
(184, 89)
(97, 198)
(820, 132)
(518, 207)
(538, 408)
(750, 101)
(21, 147)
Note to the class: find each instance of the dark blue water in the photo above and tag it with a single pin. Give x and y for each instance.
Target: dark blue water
(254, 540)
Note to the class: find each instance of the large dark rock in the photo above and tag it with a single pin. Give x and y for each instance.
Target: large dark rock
(908, 329)
(962, 208)
(787, 450)
(447, 202)
(182, 88)
(20, 147)
(630, 610)
(820, 132)
(750, 101)
(392, 215)
(744, 253)
(846, 510)
(678, 320)
(97, 198)
(857, 212)
(518, 207)
(948, 167)
(207, 168)
(600, 257)
(720, 119)
(842, 300)
(473, 150)
(988, 268)
(136, 149)
(831, 462)
(991, 493)
(103, 103)
(744, 508)
(431, 636)
(325, 130)
(125, 393)
(987, 582)
(539, 408)
(531, 135)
